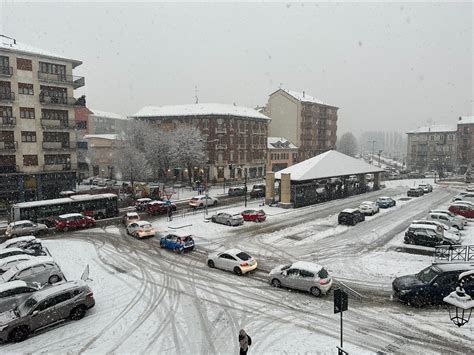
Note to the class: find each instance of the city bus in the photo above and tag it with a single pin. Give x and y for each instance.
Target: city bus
(46, 211)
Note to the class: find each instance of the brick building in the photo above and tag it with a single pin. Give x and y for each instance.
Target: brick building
(306, 121)
(236, 136)
(465, 136)
(281, 153)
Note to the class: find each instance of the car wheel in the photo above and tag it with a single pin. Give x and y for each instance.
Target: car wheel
(19, 334)
(276, 283)
(100, 215)
(228, 223)
(316, 292)
(237, 271)
(77, 313)
(213, 219)
(53, 279)
(162, 245)
(210, 263)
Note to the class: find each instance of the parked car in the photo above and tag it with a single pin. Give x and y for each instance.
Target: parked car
(415, 192)
(470, 188)
(447, 229)
(130, 217)
(200, 201)
(424, 238)
(258, 191)
(237, 191)
(69, 221)
(435, 228)
(459, 196)
(45, 307)
(177, 243)
(302, 275)
(159, 207)
(140, 229)
(7, 263)
(141, 203)
(465, 197)
(432, 284)
(386, 202)
(254, 215)
(5, 253)
(462, 210)
(350, 216)
(25, 227)
(228, 219)
(426, 187)
(39, 271)
(369, 208)
(459, 218)
(234, 260)
(13, 293)
(28, 243)
(447, 220)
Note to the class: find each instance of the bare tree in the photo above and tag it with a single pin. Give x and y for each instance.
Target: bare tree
(347, 144)
(158, 151)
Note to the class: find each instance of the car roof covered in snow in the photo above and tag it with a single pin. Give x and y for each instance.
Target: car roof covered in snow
(142, 223)
(367, 203)
(454, 266)
(132, 214)
(15, 257)
(17, 223)
(144, 199)
(12, 285)
(26, 238)
(349, 210)
(304, 265)
(45, 292)
(233, 251)
(384, 198)
(9, 250)
(67, 215)
(422, 226)
(39, 260)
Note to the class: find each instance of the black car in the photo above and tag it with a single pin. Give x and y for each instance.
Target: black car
(415, 192)
(237, 191)
(423, 238)
(350, 216)
(432, 284)
(258, 191)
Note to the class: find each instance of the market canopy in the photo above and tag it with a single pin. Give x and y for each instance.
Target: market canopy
(328, 165)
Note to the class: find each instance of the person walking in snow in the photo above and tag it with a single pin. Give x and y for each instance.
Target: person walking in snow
(244, 342)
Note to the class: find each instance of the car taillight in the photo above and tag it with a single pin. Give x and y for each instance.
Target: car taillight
(323, 281)
(90, 294)
(244, 264)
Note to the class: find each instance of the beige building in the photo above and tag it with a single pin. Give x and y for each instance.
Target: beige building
(304, 120)
(101, 154)
(281, 153)
(37, 137)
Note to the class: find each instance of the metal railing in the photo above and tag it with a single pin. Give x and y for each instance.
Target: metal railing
(76, 81)
(221, 130)
(59, 167)
(8, 146)
(8, 169)
(7, 96)
(6, 71)
(7, 122)
(47, 123)
(56, 145)
(57, 100)
(221, 146)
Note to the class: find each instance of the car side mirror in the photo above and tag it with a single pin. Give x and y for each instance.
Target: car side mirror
(35, 313)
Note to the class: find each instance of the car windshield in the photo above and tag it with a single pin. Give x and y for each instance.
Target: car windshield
(8, 274)
(323, 274)
(243, 256)
(428, 274)
(286, 267)
(26, 306)
(146, 225)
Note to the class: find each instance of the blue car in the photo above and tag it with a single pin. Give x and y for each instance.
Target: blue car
(177, 243)
(386, 202)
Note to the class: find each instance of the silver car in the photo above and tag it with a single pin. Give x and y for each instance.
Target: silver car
(44, 308)
(38, 272)
(445, 219)
(302, 275)
(20, 228)
(13, 293)
(228, 219)
(11, 261)
(5, 253)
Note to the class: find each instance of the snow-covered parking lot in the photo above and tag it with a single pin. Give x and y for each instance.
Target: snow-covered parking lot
(151, 300)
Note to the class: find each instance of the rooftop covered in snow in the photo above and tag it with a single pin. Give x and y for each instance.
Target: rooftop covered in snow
(466, 120)
(328, 165)
(280, 143)
(439, 128)
(105, 114)
(101, 136)
(208, 109)
(303, 97)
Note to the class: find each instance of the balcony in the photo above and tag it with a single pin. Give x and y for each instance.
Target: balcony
(59, 167)
(7, 122)
(259, 161)
(9, 146)
(6, 71)
(7, 96)
(221, 146)
(75, 81)
(48, 124)
(57, 100)
(8, 169)
(220, 130)
(56, 146)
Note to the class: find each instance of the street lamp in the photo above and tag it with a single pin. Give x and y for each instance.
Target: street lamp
(460, 303)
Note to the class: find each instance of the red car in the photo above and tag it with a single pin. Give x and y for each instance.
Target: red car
(73, 221)
(159, 207)
(254, 215)
(462, 210)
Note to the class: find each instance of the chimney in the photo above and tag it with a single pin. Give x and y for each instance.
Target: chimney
(303, 93)
(460, 118)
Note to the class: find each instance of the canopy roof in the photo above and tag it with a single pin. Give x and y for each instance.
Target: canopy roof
(327, 165)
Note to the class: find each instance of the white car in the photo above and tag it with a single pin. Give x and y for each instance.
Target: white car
(234, 260)
(445, 219)
(439, 224)
(130, 217)
(459, 196)
(200, 201)
(369, 208)
(463, 203)
(141, 229)
(5, 253)
(25, 227)
(14, 242)
(452, 215)
(10, 261)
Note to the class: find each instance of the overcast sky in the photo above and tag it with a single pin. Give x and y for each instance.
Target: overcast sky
(392, 66)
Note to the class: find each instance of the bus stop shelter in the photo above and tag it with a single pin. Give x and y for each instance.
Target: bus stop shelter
(327, 176)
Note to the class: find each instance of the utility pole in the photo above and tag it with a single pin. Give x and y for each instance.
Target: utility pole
(380, 153)
(373, 150)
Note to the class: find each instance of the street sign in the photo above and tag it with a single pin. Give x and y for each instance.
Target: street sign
(340, 301)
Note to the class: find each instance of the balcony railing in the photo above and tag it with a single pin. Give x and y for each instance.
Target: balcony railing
(57, 100)
(9, 146)
(240, 146)
(6, 71)
(56, 124)
(59, 167)
(56, 146)
(75, 81)
(221, 130)
(221, 146)
(7, 96)
(7, 122)
(8, 169)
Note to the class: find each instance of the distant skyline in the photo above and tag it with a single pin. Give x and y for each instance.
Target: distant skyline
(390, 66)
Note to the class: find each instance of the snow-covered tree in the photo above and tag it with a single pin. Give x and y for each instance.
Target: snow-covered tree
(158, 151)
(347, 144)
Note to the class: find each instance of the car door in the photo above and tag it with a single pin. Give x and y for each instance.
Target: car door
(293, 279)
(132, 227)
(226, 262)
(306, 280)
(443, 285)
(44, 313)
(64, 305)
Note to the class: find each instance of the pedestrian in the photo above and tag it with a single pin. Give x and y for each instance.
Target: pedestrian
(244, 342)
(170, 213)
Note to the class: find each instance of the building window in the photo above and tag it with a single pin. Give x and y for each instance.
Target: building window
(24, 64)
(27, 112)
(81, 145)
(205, 124)
(54, 115)
(28, 136)
(25, 89)
(220, 157)
(6, 111)
(56, 137)
(52, 68)
(4, 61)
(57, 159)
(30, 160)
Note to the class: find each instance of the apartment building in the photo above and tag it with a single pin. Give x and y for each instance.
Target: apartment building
(236, 136)
(37, 138)
(309, 123)
(281, 153)
(465, 136)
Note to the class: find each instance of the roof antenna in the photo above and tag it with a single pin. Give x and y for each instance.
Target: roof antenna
(196, 93)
